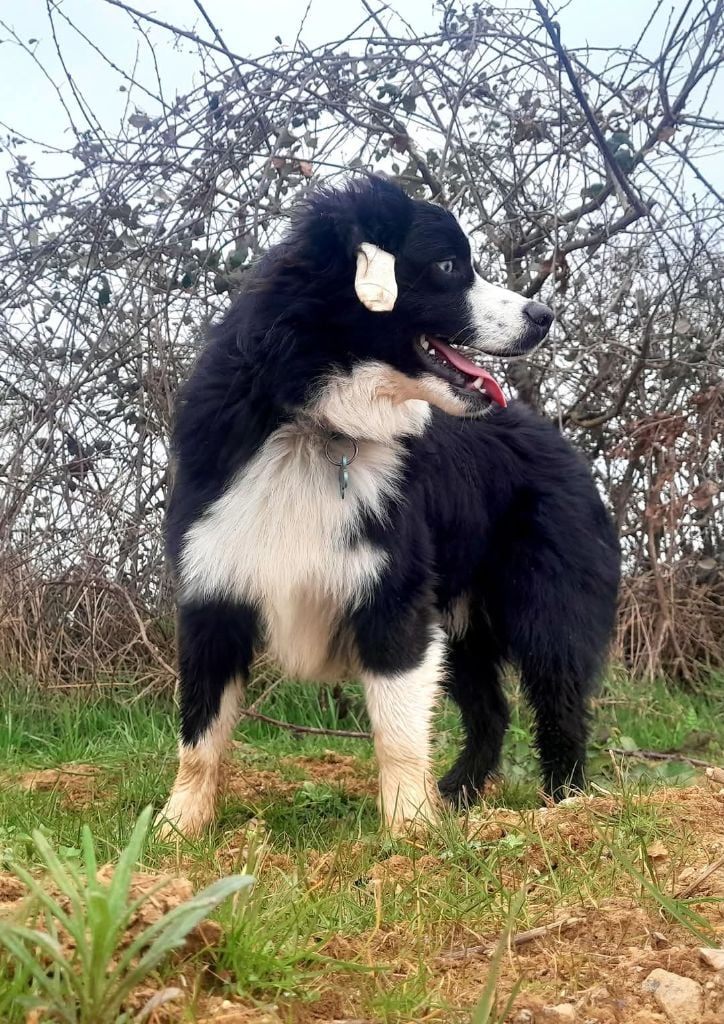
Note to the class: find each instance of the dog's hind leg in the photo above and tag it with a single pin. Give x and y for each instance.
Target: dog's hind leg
(474, 684)
(215, 641)
(559, 701)
(560, 647)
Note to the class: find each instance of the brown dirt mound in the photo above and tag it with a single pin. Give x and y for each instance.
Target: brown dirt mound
(12, 892)
(79, 784)
(253, 786)
(599, 968)
(162, 894)
(356, 777)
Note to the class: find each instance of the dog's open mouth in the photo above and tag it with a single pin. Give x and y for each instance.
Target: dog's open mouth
(455, 365)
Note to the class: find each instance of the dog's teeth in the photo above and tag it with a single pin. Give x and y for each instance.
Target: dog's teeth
(425, 343)
(478, 383)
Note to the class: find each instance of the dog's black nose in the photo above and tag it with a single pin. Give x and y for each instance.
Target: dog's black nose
(539, 315)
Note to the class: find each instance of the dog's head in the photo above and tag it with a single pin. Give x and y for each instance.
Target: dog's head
(393, 281)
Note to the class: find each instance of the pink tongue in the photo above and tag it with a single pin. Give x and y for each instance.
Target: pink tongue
(490, 384)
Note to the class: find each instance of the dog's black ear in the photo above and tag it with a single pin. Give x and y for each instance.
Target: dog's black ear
(360, 228)
(371, 210)
(382, 213)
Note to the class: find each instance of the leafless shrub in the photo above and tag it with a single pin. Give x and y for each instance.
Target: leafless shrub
(581, 176)
(687, 638)
(78, 628)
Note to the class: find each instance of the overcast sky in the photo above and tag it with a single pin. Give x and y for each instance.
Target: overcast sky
(29, 104)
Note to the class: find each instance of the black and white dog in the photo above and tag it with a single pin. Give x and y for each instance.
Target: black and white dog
(353, 497)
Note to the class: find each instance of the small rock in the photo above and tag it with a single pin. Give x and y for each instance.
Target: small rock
(713, 958)
(679, 998)
(657, 851)
(561, 1013)
(523, 1017)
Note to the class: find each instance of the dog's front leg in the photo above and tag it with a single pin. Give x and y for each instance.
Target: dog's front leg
(215, 640)
(401, 688)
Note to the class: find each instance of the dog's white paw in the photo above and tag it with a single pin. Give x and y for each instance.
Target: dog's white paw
(183, 816)
(409, 807)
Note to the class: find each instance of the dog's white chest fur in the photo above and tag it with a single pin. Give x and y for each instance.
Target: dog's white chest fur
(282, 538)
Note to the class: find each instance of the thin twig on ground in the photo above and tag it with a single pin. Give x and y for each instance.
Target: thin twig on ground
(713, 772)
(691, 887)
(519, 939)
(657, 755)
(347, 734)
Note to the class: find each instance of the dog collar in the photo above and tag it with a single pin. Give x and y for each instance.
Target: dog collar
(345, 460)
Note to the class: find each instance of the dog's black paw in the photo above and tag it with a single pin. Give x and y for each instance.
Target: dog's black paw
(457, 791)
(560, 785)
(563, 793)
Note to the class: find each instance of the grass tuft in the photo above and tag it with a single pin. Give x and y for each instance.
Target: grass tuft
(71, 957)
(343, 922)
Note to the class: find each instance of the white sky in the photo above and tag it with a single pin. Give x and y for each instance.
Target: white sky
(28, 102)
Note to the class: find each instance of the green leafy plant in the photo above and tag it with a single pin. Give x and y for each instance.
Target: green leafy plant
(73, 950)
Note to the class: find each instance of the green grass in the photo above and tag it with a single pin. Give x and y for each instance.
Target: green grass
(328, 921)
(72, 949)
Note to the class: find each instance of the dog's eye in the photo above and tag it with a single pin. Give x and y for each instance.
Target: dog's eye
(447, 266)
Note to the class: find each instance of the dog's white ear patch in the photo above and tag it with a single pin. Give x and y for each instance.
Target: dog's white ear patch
(374, 281)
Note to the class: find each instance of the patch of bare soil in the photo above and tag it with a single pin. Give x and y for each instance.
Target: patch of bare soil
(12, 891)
(619, 960)
(599, 969)
(160, 894)
(356, 777)
(254, 786)
(174, 1007)
(79, 784)
(594, 973)
(607, 968)
(225, 1011)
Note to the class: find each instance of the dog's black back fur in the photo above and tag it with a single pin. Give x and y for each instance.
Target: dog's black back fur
(545, 563)
(494, 520)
